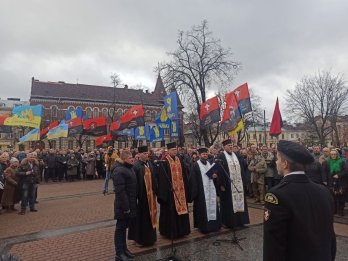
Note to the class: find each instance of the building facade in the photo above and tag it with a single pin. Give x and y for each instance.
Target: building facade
(95, 101)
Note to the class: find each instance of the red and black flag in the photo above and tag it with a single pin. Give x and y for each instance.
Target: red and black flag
(74, 126)
(210, 111)
(43, 132)
(3, 128)
(94, 126)
(132, 118)
(231, 117)
(103, 139)
(277, 122)
(243, 98)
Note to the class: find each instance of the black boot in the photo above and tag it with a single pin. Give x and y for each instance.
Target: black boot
(129, 254)
(122, 257)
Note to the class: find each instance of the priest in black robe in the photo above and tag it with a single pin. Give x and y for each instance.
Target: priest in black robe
(233, 203)
(173, 195)
(206, 216)
(142, 228)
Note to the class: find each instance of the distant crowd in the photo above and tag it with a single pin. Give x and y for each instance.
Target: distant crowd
(22, 171)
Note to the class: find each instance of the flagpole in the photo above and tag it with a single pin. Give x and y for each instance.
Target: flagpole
(252, 115)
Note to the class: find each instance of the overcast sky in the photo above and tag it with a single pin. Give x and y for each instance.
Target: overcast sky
(85, 41)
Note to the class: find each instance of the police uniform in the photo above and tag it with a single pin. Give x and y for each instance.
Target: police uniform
(298, 215)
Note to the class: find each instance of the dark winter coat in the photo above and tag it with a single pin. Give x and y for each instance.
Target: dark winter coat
(24, 167)
(125, 183)
(298, 221)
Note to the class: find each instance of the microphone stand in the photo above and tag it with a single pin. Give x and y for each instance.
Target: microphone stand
(234, 239)
(172, 256)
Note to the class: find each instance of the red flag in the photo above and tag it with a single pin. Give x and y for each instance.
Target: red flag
(105, 138)
(74, 126)
(243, 98)
(132, 118)
(95, 126)
(231, 115)
(3, 118)
(210, 111)
(3, 128)
(44, 131)
(277, 122)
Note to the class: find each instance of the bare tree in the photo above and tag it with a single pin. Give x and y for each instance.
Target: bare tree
(318, 100)
(200, 63)
(116, 81)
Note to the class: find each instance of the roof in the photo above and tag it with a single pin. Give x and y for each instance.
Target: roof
(69, 91)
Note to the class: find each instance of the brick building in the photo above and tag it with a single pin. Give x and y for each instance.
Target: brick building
(95, 101)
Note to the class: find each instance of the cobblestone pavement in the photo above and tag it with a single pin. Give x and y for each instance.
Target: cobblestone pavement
(75, 222)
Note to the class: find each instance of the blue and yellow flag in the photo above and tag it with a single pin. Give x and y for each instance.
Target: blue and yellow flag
(25, 116)
(174, 128)
(162, 119)
(142, 132)
(32, 135)
(239, 127)
(156, 134)
(72, 114)
(171, 105)
(61, 131)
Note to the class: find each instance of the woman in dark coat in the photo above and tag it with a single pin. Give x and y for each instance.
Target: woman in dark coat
(11, 195)
(335, 174)
(125, 183)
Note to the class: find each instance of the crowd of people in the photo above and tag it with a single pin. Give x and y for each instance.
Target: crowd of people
(217, 180)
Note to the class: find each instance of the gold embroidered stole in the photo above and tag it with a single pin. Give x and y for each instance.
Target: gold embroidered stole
(151, 197)
(178, 185)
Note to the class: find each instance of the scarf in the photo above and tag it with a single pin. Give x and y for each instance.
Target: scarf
(334, 165)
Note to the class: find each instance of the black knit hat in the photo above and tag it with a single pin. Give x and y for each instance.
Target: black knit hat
(226, 142)
(202, 150)
(143, 149)
(295, 151)
(171, 145)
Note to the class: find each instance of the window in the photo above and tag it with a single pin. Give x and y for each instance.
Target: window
(54, 111)
(297, 135)
(111, 112)
(119, 113)
(95, 113)
(147, 116)
(153, 115)
(292, 135)
(71, 108)
(283, 136)
(254, 136)
(70, 144)
(53, 144)
(105, 112)
(89, 113)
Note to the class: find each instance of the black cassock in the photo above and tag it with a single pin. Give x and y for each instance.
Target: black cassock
(169, 220)
(140, 228)
(200, 218)
(228, 217)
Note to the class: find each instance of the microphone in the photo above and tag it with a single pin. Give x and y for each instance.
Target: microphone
(159, 161)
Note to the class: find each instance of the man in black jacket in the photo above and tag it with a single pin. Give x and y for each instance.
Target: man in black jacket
(28, 172)
(125, 183)
(298, 221)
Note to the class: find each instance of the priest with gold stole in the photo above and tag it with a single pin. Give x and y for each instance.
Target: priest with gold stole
(142, 228)
(173, 195)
